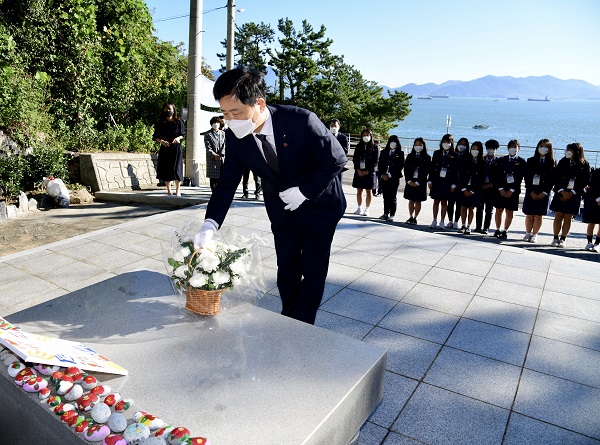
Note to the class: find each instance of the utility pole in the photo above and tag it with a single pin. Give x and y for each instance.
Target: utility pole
(230, 34)
(195, 157)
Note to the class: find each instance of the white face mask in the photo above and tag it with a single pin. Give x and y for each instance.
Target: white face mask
(543, 150)
(512, 151)
(490, 152)
(475, 153)
(568, 154)
(216, 126)
(418, 148)
(241, 128)
(461, 148)
(366, 139)
(334, 130)
(446, 146)
(393, 145)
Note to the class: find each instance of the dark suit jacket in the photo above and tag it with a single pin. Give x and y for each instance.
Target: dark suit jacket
(391, 164)
(471, 174)
(565, 172)
(546, 175)
(422, 162)
(309, 157)
(343, 140)
(504, 167)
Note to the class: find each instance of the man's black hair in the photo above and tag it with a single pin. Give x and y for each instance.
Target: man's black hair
(492, 143)
(244, 84)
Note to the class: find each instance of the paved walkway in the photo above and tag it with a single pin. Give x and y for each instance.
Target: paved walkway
(488, 342)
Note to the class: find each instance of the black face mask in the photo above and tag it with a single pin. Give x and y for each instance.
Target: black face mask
(168, 113)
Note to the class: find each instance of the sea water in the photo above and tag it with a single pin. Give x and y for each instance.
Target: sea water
(561, 121)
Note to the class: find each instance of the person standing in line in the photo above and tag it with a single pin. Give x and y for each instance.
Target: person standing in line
(365, 159)
(257, 186)
(334, 127)
(591, 211)
(461, 152)
(377, 183)
(299, 162)
(391, 163)
(214, 141)
(572, 175)
(539, 179)
(169, 131)
(442, 179)
(469, 184)
(510, 171)
(416, 169)
(488, 191)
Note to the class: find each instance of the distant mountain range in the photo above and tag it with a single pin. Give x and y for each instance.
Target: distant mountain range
(537, 87)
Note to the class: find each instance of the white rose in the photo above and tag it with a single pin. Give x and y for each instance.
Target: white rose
(238, 267)
(220, 277)
(209, 261)
(180, 255)
(236, 281)
(180, 271)
(198, 280)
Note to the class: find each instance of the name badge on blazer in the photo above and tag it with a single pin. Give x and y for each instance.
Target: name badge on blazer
(536, 179)
(571, 184)
(443, 172)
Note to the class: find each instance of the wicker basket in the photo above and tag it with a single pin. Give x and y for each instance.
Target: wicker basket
(203, 302)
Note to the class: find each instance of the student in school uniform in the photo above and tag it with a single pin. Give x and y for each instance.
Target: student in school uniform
(461, 152)
(365, 159)
(488, 191)
(391, 163)
(416, 170)
(539, 179)
(442, 179)
(572, 174)
(591, 211)
(469, 184)
(510, 171)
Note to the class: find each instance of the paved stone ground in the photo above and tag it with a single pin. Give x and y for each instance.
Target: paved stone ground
(488, 342)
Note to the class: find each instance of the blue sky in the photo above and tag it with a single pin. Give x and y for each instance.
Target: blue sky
(395, 42)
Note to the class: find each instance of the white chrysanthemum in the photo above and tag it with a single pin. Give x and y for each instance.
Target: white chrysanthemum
(236, 281)
(238, 267)
(180, 271)
(209, 262)
(180, 255)
(198, 280)
(220, 277)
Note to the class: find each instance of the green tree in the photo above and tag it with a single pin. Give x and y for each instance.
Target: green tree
(298, 60)
(252, 46)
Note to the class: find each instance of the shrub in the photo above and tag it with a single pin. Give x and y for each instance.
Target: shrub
(12, 170)
(45, 161)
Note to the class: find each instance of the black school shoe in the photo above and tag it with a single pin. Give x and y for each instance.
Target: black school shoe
(497, 233)
(503, 235)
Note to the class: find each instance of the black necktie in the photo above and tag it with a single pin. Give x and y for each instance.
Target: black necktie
(269, 152)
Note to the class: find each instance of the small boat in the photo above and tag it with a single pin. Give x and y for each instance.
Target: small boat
(546, 99)
(481, 127)
(513, 98)
(443, 96)
(424, 97)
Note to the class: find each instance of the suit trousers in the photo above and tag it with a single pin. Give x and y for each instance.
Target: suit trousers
(302, 264)
(389, 190)
(487, 202)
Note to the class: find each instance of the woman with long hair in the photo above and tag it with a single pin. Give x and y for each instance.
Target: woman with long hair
(416, 170)
(365, 159)
(391, 163)
(169, 131)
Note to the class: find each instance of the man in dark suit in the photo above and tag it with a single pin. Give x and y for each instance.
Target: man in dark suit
(334, 126)
(299, 162)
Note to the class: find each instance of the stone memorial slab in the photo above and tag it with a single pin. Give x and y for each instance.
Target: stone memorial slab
(246, 375)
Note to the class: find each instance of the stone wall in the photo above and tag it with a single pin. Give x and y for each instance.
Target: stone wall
(109, 171)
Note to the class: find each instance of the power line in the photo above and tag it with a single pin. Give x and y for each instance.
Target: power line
(187, 15)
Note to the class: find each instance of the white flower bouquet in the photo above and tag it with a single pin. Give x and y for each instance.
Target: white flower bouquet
(204, 274)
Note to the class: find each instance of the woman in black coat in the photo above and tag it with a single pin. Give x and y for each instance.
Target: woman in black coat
(365, 159)
(539, 179)
(169, 131)
(591, 211)
(391, 163)
(470, 185)
(572, 175)
(416, 170)
(442, 179)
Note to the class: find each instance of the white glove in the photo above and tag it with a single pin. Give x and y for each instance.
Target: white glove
(293, 197)
(205, 234)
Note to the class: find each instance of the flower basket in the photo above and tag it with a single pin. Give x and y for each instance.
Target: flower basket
(203, 302)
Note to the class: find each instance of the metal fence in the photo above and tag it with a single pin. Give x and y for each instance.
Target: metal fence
(593, 156)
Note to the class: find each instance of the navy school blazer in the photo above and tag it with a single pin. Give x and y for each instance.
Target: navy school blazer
(309, 157)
